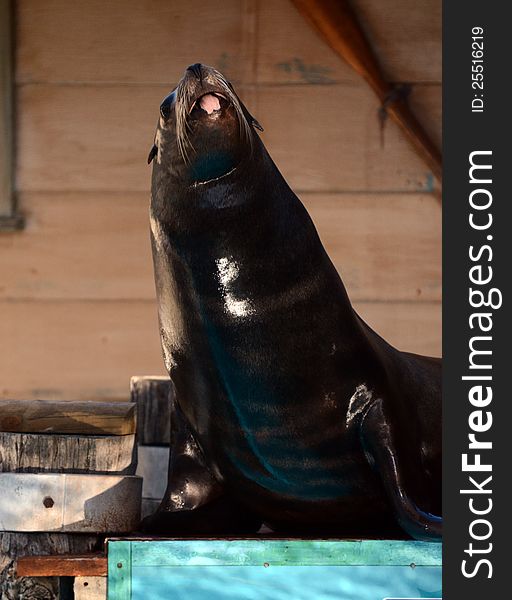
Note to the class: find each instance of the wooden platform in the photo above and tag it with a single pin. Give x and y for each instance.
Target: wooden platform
(267, 568)
(86, 565)
(241, 569)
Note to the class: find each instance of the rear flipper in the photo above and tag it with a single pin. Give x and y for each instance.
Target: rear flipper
(195, 503)
(401, 473)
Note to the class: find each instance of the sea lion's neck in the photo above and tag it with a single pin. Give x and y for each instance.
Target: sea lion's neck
(247, 193)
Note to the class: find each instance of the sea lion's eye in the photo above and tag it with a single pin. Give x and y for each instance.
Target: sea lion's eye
(165, 107)
(165, 111)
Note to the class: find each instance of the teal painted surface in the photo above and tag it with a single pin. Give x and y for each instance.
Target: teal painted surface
(273, 570)
(119, 582)
(284, 552)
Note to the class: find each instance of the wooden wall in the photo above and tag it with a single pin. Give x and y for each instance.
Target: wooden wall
(78, 315)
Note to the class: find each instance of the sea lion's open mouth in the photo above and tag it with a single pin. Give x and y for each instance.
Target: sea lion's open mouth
(209, 103)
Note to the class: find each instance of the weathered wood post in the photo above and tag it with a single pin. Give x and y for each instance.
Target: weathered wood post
(67, 478)
(152, 396)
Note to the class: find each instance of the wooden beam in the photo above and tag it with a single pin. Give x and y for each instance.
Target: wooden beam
(62, 254)
(66, 453)
(89, 418)
(14, 545)
(152, 466)
(338, 25)
(152, 394)
(87, 565)
(64, 502)
(90, 588)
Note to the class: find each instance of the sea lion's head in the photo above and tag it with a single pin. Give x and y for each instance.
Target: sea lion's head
(204, 130)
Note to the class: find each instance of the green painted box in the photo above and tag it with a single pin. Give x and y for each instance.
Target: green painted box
(271, 569)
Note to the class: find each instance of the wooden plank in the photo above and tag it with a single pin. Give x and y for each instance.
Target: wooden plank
(39, 453)
(80, 350)
(339, 26)
(87, 565)
(411, 327)
(129, 41)
(119, 571)
(46, 416)
(90, 588)
(14, 545)
(116, 161)
(313, 150)
(287, 552)
(406, 36)
(152, 397)
(385, 247)
(70, 503)
(256, 568)
(96, 245)
(79, 245)
(65, 342)
(152, 466)
(323, 138)
(327, 138)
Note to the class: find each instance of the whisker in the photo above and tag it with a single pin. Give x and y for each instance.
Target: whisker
(183, 97)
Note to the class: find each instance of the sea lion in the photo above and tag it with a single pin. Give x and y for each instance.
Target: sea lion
(289, 409)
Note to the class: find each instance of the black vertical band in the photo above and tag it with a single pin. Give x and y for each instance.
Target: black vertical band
(477, 332)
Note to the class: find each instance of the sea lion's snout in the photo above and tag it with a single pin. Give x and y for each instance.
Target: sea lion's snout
(207, 92)
(196, 69)
(204, 130)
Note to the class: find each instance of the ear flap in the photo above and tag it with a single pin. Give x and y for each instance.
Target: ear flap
(251, 119)
(152, 153)
(247, 114)
(256, 124)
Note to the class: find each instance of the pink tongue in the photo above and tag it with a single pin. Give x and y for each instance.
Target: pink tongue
(209, 103)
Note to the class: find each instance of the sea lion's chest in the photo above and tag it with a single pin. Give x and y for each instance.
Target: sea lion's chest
(260, 375)
(254, 323)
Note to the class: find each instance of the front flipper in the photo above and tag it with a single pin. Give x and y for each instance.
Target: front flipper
(195, 503)
(401, 473)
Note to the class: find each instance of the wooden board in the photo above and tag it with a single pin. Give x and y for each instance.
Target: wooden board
(87, 565)
(79, 245)
(233, 36)
(408, 326)
(76, 350)
(112, 340)
(128, 40)
(90, 588)
(323, 138)
(71, 122)
(258, 568)
(327, 138)
(46, 416)
(152, 395)
(39, 453)
(152, 466)
(277, 552)
(406, 37)
(96, 245)
(14, 545)
(385, 247)
(70, 503)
